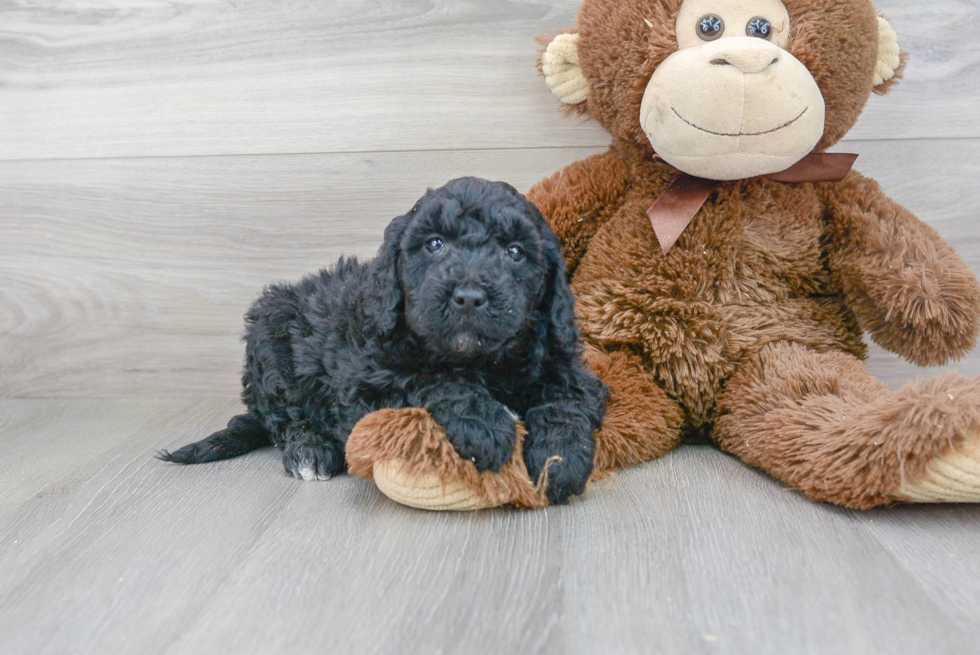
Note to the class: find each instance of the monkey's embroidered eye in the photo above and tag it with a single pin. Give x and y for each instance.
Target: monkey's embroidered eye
(710, 27)
(516, 253)
(435, 244)
(759, 27)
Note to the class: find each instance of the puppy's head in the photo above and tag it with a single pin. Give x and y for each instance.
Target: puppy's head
(474, 270)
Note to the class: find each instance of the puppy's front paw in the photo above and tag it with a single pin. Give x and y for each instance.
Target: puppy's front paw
(567, 473)
(313, 460)
(481, 431)
(565, 448)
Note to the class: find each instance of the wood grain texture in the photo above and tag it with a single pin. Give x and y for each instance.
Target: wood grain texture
(130, 278)
(939, 548)
(128, 79)
(91, 562)
(695, 553)
(160, 162)
(711, 556)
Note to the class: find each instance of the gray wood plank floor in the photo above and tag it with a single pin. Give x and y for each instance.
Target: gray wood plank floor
(105, 550)
(161, 162)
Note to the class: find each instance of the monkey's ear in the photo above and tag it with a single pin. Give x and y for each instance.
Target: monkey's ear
(891, 60)
(561, 70)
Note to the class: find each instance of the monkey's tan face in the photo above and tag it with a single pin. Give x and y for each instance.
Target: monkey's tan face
(732, 103)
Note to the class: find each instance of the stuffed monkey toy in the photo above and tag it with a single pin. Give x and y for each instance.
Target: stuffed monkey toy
(725, 266)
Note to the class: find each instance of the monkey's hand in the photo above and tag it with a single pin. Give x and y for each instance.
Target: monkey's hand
(906, 285)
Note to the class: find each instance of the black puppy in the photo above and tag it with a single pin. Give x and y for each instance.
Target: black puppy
(465, 312)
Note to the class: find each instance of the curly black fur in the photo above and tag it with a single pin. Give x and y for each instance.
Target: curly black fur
(465, 312)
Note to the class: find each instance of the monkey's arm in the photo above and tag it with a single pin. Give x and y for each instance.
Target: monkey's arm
(579, 198)
(907, 286)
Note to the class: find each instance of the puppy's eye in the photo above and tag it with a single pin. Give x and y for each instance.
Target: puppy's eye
(435, 244)
(516, 253)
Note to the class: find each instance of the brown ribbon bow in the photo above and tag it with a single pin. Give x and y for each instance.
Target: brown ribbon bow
(680, 203)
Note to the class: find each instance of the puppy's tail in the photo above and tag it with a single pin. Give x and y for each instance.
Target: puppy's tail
(243, 435)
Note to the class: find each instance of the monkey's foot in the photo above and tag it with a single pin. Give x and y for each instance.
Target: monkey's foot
(822, 424)
(412, 462)
(953, 477)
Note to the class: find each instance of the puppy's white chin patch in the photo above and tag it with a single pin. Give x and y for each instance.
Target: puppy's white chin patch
(465, 342)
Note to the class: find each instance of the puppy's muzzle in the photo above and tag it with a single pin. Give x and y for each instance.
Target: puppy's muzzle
(469, 300)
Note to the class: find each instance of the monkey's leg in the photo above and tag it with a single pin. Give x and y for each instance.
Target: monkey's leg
(821, 423)
(641, 422)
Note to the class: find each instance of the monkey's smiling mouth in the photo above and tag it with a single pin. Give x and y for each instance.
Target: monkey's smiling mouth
(775, 129)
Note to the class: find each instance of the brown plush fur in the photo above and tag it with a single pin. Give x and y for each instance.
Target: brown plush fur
(749, 329)
(823, 424)
(641, 422)
(906, 285)
(413, 436)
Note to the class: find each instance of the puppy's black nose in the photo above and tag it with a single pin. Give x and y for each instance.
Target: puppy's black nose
(469, 300)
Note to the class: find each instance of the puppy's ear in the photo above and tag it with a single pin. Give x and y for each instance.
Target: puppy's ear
(383, 297)
(558, 304)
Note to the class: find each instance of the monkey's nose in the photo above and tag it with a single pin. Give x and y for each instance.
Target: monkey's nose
(469, 300)
(747, 54)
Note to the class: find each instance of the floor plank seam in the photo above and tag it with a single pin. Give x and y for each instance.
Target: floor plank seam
(966, 631)
(239, 556)
(404, 151)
